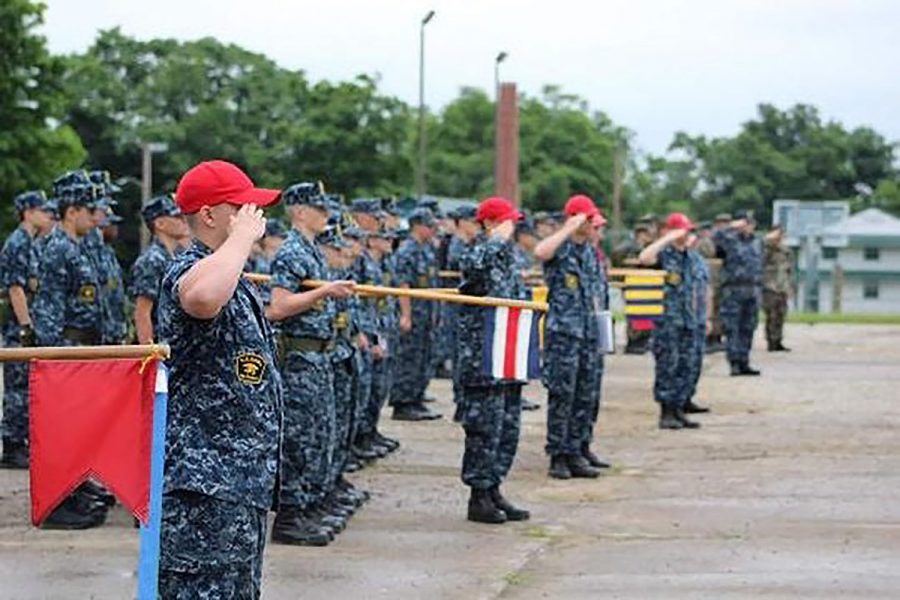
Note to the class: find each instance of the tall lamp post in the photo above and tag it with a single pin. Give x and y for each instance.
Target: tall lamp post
(420, 176)
(499, 59)
(148, 149)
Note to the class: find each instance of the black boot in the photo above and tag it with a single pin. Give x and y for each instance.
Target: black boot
(746, 369)
(579, 467)
(293, 527)
(559, 467)
(75, 512)
(324, 518)
(668, 420)
(685, 422)
(736, 369)
(482, 508)
(693, 409)
(512, 513)
(384, 440)
(592, 458)
(363, 450)
(15, 455)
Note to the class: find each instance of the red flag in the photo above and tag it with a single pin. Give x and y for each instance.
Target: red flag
(90, 419)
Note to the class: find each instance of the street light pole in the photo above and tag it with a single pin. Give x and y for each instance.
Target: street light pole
(148, 149)
(420, 175)
(499, 59)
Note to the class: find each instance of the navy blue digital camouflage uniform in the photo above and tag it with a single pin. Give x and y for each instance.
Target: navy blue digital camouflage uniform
(572, 361)
(701, 309)
(366, 271)
(415, 266)
(490, 409)
(674, 337)
(308, 375)
(741, 278)
(345, 361)
(387, 313)
(222, 441)
(67, 307)
(112, 286)
(455, 251)
(147, 273)
(16, 264)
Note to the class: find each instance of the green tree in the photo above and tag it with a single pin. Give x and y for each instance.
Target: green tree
(33, 146)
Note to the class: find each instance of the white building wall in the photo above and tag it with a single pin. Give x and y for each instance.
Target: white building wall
(888, 301)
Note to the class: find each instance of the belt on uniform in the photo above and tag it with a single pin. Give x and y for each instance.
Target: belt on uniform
(306, 344)
(87, 337)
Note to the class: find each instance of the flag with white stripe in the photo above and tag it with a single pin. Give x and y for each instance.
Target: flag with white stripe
(512, 345)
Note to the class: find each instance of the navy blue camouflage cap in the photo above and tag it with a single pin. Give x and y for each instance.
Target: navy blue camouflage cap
(331, 236)
(369, 206)
(385, 233)
(104, 183)
(30, 199)
(52, 207)
(432, 205)
(466, 211)
(421, 216)
(111, 219)
(389, 205)
(275, 228)
(306, 194)
(525, 227)
(75, 188)
(744, 214)
(160, 206)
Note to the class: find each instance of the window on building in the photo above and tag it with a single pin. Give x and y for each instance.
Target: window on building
(870, 253)
(829, 253)
(870, 290)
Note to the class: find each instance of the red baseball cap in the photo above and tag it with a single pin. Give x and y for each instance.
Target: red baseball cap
(216, 182)
(679, 220)
(598, 220)
(580, 205)
(497, 209)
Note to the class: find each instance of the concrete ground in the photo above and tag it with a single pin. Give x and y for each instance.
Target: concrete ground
(790, 490)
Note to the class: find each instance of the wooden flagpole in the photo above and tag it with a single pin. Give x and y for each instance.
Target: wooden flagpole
(420, 294)
(84, 352)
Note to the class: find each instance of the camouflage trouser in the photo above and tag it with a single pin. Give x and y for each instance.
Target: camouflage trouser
(412, 370)
(674, 351)
(715, 319)
(382, 381)
(571, 376)
(775, 306)
(210, 548)
(595, 400)
(491, 421)
(740, 313)
(309, 428)
(445, 335)
(363, 391)
(15, 396)
(344, 375)
(697, 352)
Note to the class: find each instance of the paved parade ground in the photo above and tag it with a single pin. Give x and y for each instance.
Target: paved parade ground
(790, 490)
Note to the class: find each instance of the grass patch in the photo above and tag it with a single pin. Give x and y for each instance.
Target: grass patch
(539, 533)
(842, 319)
(514, 578)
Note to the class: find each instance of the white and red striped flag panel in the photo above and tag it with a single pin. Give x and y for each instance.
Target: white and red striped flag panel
(511, 348)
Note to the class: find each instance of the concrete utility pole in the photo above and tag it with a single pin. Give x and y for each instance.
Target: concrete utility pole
(148, 149)
(420, 175)
(499, 59)
(618, 176)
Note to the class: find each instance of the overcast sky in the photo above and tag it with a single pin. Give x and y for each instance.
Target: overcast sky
(656, 66)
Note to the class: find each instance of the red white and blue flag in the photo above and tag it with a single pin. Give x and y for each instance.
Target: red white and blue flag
(512, 344)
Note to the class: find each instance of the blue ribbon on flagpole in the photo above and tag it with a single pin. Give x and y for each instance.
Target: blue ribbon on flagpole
(148, 565)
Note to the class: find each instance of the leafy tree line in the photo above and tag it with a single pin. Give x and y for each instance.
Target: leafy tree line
(208, 99)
